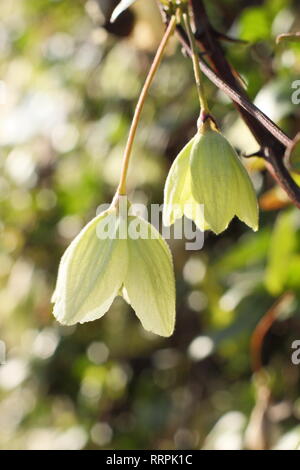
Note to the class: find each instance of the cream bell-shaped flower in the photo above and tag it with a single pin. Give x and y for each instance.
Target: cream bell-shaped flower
(117, 255)
(178, 197)
(209, 172)
(220, 181)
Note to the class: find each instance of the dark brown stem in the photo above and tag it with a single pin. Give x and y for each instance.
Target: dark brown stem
(264, 325)
(272, 140)
(240, 98)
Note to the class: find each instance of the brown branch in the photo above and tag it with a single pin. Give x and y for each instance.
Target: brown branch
(258, 121)
(262, 329)
(239, 98)
(272, 140)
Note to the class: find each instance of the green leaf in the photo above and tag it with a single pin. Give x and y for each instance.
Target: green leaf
(255, 24)
(122, 6)
(282, 247)
(91, 273)
(251, 249)
(149, 283)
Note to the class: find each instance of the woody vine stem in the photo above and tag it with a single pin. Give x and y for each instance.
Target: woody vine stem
(274, 143)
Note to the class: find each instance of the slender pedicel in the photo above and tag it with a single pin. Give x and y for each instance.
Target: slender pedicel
(155, 64)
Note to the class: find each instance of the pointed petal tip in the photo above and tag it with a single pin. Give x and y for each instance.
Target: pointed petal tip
(254, 227)
(59, 317)
(164, 332)
(218, 229)
(170, 332)
(253, 224)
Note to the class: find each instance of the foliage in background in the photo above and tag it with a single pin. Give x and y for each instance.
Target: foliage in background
(67, 91)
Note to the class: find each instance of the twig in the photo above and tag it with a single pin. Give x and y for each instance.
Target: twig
(289, 36)
(205, 34)
(272, 140)
(262, 329)
(237, 96)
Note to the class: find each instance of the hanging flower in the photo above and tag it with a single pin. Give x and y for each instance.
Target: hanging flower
(208, 172)
(117, 255)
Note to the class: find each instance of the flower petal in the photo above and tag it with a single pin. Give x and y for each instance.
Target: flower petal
(247, 208)
(214, 179)
(221, 183)
(178, 186)
(91, 272)
(149, 282)
(195, 211)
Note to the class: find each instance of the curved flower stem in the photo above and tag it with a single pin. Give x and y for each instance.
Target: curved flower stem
(197, 70)
(264, 326)
(155, 64)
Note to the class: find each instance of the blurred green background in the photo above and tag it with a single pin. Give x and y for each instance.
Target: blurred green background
(68, 87)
